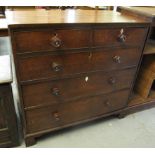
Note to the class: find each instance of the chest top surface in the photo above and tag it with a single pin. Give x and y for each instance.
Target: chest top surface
(69, 17)
(147, 13)
(150, 11)
(5, 69)
(3, 24)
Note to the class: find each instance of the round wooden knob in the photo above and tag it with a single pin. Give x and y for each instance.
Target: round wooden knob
(117, 59)
(56, 116)
(112, 80)
(56, 67)
(55, 92)
(122, 38)
(56, 41)
(107, 103)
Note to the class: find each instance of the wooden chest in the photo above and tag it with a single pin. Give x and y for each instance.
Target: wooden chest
(73, 66)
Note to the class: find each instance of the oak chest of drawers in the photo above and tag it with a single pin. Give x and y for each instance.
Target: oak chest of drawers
(73, 66)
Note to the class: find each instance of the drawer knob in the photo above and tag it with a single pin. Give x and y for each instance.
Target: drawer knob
(55, 92)
(56, 116)
(56, 41)
(112, 80)
(56, 67)
(107, 103)
(122, 37)
(117, 59)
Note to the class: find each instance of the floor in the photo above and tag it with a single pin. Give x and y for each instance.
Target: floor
(135, 130)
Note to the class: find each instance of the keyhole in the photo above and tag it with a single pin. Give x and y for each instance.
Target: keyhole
(122, 31)
(86, 78)
(90, 55)
(55, 34)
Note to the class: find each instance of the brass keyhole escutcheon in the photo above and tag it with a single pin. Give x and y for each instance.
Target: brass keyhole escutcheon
(90, 55)
(122, 36)
(86, 78)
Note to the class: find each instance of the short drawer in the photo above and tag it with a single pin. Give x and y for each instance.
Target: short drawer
(4, 136)
(51, 40)
(119, 36)
(3, 120)
(59, 91)
(58, 66)
(64, 114)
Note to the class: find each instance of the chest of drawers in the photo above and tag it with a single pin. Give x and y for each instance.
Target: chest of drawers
(74, 69)
(9, 136)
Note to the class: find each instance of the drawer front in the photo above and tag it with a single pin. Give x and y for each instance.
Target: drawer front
(58, 66)
(54, 116)
(35, 41)
(119, 36)
(3, 121)
(4, 136)
(59, 91)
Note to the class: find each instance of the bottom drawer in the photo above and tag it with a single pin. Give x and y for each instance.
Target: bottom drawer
(4, 136)
(63, 114)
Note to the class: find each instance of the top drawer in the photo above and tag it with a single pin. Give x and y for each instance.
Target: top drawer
(44, 40)
(119, 36)
(60, 39)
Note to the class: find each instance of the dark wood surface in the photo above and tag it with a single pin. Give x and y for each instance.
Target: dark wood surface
(3, 32)
(70, 38)
(75, 38)
(42, 66)
(2, 10)
(70, 77)
(42, 94)
(104, 36)
(9, 135)
(61, 114)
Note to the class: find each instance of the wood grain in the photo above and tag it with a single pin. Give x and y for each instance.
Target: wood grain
(40, 67)
(68, 16)
(41, 94)
(67, 113)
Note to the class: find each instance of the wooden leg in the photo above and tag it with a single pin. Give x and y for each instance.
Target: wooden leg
(29, 141)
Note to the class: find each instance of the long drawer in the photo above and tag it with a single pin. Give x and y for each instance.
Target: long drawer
(4, 136)
(59, 91)
(63, 114)
(63, 64)
(56, 39)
